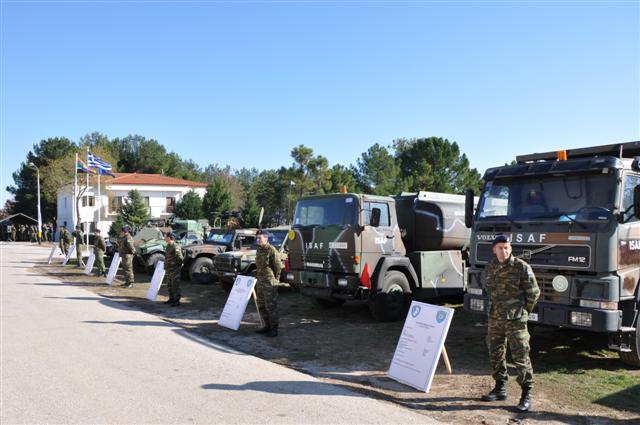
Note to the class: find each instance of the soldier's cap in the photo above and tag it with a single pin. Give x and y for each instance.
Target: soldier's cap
(96, 231)
(263, 232)
(170, 235)
(125, 228)
(500, 239)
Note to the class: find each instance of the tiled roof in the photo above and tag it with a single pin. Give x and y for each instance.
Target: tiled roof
(152, 180)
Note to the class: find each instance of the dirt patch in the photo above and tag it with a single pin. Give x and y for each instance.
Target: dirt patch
(578, 380)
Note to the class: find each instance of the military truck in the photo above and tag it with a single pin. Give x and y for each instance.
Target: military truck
(198, 258)
(379, 249)
(141, 237)
(150, 252)
(574, 216)
(228, 265)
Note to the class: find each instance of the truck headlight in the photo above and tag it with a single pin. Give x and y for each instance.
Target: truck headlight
(580, 318)
(476, 304)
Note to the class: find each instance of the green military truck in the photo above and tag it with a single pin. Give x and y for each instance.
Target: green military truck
(380, 249)
(198, 258)
(228, 265)
(574, 216)
(153, 250)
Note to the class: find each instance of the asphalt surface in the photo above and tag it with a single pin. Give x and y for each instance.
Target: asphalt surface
(69, 356)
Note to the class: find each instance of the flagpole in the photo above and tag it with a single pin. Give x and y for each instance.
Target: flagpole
(99, 200)
(88, 172)
(75, 194)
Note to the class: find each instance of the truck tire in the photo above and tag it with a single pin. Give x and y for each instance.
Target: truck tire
(152, 261)
(392, 301)
(632, 358)
(326, 303)
(201, 270)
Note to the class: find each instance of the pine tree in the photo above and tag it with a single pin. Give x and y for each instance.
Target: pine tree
(250, 211)
(116, 226)
(135, 212)
(190, 206)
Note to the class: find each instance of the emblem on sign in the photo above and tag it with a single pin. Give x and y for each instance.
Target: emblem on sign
(440, 316)
(415, 311)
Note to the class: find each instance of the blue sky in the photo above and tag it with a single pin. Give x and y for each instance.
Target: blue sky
(241, 83)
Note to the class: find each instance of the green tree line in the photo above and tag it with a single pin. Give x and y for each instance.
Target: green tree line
(433, 164)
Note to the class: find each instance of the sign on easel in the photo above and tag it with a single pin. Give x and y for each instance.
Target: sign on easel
(69, 252)
(237, 302)
(421, 342)
(113, 268)
(156, 281)
(90, 261)
(53, 251)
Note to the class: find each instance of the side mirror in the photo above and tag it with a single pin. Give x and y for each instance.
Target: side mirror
(468, 208)
(374, 220)
(636, 201)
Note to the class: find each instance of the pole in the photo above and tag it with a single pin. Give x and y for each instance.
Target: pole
(39, 210)
(87, 229)
(99, 203)
(75, 219)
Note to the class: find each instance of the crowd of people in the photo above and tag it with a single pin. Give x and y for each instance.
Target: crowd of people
(27, 233)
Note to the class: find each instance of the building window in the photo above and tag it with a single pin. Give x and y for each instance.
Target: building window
(91, 199)
(115, 203)
(171, 204)
(65, 203)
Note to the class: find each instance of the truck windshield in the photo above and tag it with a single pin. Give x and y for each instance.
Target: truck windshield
(326, 211)
(560, 198)
(220, 238)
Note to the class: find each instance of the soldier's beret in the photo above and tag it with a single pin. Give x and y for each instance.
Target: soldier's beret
(263, 232)
(500, 239)
(96, 231)
(125, 228)
(170, 235)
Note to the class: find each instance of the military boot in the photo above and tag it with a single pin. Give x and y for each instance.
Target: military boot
(525, 400)
(273, 331)
(499, 392)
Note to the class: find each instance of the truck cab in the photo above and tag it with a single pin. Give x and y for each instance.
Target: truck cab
(574, 217)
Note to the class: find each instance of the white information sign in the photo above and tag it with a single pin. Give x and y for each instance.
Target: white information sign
(53, 251)
(113, 269)
(66, 259)
(156, 281)
(237, 302)
(90, 261)
(418, 351)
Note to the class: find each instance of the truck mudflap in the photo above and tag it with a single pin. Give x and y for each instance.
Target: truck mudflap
(567, 316)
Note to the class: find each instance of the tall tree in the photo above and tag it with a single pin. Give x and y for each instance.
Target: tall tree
(217, 199)
(250, 212)
(134, 211)
(116, 226)
(378, 172)
(435, 164)
(270, 188)
(190, 206)
(310, 173)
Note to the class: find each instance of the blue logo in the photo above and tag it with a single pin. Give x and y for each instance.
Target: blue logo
(441, 316)
(415, 310)
(249, 283)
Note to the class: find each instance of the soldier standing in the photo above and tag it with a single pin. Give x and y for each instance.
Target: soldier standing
(173, 266)
(126, 249)
(99, 247)
(78, 237)
(513, 292)
(13, 233)
(65, 240)
(268, 269)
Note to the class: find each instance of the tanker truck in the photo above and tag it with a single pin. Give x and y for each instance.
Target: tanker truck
(383, 250)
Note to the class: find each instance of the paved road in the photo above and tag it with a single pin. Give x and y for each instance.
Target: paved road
(69, 356)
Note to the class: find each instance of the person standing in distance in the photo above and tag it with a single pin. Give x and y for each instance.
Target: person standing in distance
(268, 267)
(99, 247)
(173, 265)
(513, 292)
(65, 240)
(126, 249)
(78, 237)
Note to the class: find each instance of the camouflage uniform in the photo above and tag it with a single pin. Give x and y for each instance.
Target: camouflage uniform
(79, 236)
(98, 250)
(65, 241)
(126, 249)
(268, 268)
(172, 265)
(513, 292)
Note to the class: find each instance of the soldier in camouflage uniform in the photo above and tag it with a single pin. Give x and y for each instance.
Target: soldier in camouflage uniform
(65, 240)
(172, 265)
(268, 269)
(126, 250)
(513, 292)
(78, 236)
(99, 247)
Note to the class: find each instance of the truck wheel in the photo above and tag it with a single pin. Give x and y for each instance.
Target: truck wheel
(326, 303)
(392, 301)
(201, 270)
(152, 261)
(632, 357)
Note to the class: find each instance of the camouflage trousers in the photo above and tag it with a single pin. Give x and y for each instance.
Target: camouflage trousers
(268, 303)
(127, 268)
(515, 333)
(173, 283)
(99, 263)
(79, 255)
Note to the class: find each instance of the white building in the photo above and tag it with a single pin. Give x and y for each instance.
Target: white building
(160, 194)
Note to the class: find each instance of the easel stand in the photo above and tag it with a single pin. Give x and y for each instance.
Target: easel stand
(255, 299)
(447, 363)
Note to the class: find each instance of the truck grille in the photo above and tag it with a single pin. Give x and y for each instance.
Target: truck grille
(556, 256)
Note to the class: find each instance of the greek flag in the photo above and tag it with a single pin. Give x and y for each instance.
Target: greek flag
(102, 166)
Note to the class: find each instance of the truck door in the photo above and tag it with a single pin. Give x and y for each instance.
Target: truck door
(379, 240)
